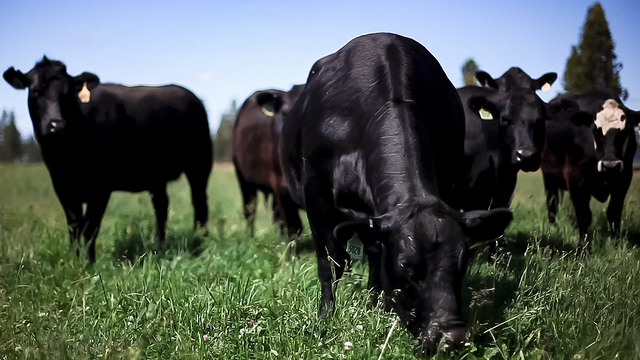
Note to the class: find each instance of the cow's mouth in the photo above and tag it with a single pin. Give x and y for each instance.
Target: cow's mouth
(435, 337)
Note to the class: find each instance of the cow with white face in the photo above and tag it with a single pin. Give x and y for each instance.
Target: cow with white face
(589, 148)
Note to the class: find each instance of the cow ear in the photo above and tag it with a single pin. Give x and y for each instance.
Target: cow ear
(483, 107)
(486, 80)
(16, 78)
(545, 81)
(92, 80)
(483, 225)
(269, 103)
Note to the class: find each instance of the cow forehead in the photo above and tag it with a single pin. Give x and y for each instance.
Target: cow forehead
(610, 117)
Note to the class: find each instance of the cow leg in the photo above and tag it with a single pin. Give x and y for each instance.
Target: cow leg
(616, 203)
(75, 222)
(249, 200)
(92, 219)
(160, 202)
(580, 198)
(330, 253)
(292, 216)
(198, 184)
(551, 193)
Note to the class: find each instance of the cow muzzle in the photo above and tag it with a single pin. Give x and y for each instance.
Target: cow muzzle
(610, 165)
(447, 339)
(527, 160)
(55, 126)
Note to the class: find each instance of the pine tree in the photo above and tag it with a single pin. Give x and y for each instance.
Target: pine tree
(11, 144)
(469, 70)
(592, 64)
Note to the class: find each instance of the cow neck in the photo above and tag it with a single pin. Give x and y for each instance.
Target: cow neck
(397, 167)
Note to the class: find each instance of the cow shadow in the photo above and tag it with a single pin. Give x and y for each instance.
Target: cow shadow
(134, 242)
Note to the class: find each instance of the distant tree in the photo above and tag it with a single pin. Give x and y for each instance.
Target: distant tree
(222, 140)
(11, 149)
(31, 151)
(592, 64)
(469, 72)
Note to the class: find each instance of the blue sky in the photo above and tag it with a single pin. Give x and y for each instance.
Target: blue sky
(225, 50)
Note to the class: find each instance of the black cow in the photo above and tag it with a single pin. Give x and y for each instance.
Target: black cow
(504, 134)
(256, 137)
(372, 147)
(589, 150)
(97, 138)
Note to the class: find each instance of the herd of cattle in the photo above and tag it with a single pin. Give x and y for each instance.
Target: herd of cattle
(377, 143)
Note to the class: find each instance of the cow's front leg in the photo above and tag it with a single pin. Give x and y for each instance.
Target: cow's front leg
(92, 219)
(75, 222)
(161, 206)
(330, 253)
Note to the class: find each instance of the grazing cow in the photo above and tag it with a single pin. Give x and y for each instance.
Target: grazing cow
(504, 134)
(372, 147)
(97, 138)
(589, 150)
(256, 136)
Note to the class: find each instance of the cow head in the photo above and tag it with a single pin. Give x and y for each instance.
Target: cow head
(278, 104)
(612, 137)
(423, 252)
(53, 96)
(516, 78)
(521, 116)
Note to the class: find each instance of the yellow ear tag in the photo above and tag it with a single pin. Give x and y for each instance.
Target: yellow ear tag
(268, 110)
(84, 95)
(485, 114)
(545, 87)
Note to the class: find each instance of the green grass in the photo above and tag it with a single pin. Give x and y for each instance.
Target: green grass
(229, 296)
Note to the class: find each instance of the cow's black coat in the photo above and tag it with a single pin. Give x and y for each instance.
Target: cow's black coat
(372, 146)
(504, 134)
(123, 138)
(256, 137)
(579, 158)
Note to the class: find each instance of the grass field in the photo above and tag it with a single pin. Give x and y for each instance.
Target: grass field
(229, 296)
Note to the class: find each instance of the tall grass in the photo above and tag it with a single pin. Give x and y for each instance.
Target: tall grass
(226, 295)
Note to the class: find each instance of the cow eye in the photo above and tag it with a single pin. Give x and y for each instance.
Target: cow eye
(506, 121)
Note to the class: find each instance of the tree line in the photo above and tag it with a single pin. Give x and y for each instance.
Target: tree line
(12, 147)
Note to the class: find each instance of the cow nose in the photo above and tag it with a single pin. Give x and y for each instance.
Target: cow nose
(450, 339)
(523, 155)
(608, 165)
(55, 125)
(455, 338)
(527, 160)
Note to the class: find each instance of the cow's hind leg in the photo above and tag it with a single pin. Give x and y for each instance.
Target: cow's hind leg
(160, 202)
(198, 183)
(249, 200)
(551, 192)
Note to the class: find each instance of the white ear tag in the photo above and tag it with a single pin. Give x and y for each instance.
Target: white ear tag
(84, 95)
(485, 114)
(545, 87)
(268, 110)
(355, 249)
